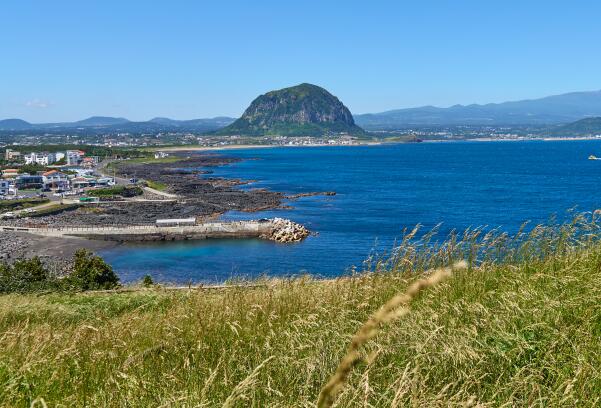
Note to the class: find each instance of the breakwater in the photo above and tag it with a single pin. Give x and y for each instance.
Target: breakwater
(278, 230)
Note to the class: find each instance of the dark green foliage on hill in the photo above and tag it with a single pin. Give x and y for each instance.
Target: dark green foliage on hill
(583, 127)
(302, 110)
(26, 275)
(90, 272)
(33, 168)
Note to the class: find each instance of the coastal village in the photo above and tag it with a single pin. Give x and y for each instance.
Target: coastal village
(66, 173)
(68, 194)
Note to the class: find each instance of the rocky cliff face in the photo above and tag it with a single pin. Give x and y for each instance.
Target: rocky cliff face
(297, 111)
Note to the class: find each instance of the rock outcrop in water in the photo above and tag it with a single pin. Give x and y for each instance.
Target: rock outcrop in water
(302, 110)
(286, 231)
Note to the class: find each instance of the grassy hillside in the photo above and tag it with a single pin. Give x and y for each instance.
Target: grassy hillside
(520, 328)
(583, 127)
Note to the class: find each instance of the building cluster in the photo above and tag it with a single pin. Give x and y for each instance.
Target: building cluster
(69, 158)
(71, 182)
(69, 172)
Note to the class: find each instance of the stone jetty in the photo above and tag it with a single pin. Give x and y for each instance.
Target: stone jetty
(277, 229)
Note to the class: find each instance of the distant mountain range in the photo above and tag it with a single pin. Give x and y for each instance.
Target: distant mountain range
(106, 123)
(544, 111)
(549, 111)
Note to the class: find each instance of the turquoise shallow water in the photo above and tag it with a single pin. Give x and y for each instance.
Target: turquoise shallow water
(380, 190)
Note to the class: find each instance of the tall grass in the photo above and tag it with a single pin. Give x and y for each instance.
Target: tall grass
(393, 309)
(520, 327)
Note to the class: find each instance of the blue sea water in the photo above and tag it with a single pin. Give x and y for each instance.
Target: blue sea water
(380, 191)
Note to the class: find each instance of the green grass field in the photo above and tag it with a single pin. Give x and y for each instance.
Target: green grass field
(114, 166)
(521, 327)
(157, 185)
(51, 209)
(10, 205)
(151, 160)
(119, 190)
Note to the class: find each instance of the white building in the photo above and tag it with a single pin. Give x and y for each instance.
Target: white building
(43, 159)
(4, 187)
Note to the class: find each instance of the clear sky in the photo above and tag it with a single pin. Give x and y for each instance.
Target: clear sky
(67, 60)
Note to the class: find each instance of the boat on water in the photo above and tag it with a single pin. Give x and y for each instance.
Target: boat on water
(593, 157)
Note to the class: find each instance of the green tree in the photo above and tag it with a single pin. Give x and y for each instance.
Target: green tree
(90, 272)
(147, 281)
(31, 168)
(25, 275)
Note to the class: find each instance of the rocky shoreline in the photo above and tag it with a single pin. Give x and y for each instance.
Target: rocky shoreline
(204, 198)
(55, 254)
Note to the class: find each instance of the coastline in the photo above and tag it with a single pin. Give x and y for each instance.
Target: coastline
(195, 148)
(218, 189)
(202, 197)
(54, 252)
(530, 139)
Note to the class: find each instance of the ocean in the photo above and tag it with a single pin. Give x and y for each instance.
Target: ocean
(380, 191)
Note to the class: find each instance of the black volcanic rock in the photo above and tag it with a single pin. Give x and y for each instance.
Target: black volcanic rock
(302, 110)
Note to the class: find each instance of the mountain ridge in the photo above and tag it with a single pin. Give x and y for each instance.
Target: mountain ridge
(123, 124)
(549, 110)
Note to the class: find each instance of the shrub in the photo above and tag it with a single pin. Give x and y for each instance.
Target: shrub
(26, 275)
(147, 281)
(123, 191)
(90, 272)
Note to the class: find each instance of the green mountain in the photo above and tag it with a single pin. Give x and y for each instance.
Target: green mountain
(302, 110)
(583, 127)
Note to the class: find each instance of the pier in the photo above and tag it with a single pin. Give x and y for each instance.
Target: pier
(274, 229)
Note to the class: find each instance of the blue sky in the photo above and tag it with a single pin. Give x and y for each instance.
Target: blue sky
(67, 60)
